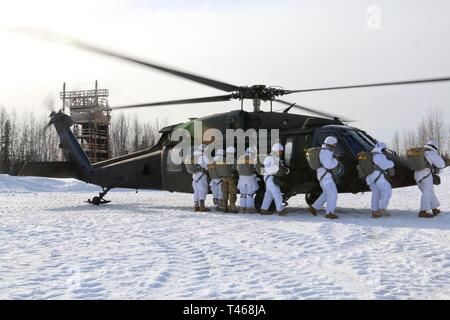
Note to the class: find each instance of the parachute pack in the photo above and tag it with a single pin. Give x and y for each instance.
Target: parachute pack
(365, 164)
(191, 166)
(416, 160)
(313, 157)
(212, 171)
(224, 170)
(245, 167)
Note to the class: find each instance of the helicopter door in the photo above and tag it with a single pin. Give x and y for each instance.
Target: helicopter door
(340, 150)
(295, 156)
(343, 154)
(175, 177)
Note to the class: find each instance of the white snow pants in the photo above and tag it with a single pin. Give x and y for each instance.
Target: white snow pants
(216, 188)
(200, 186)
(247, 186)
(273, 192)
(381, 194)
(428, 200)
(329, 195)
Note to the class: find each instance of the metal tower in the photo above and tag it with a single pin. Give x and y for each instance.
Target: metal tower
(90, 112)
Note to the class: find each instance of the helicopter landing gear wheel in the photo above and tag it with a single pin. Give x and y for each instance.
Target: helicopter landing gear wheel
(99, 200)
(311, 198)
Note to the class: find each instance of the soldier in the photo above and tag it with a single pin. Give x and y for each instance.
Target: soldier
(377, 182)
(248, 183)
(325, 177)
(424, 179)
(272, 167)
(200, 179)
(216, 180)
(229, 175)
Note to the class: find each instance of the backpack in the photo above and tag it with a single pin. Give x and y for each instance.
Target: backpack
(416, 160)
(365, 164)
(313, 157)
(224, 170)
(212, 171)
(244, 167)
(191, 166)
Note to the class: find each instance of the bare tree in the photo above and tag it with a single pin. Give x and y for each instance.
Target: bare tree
(148, 138)
(409, 140)
(119, 135)
(437, 127)
(26, 138)
(422, 133)
(396, 143)
(136, 133)
(5, 147)
(431, 127)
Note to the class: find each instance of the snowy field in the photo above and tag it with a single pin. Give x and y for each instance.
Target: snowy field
(150, 245)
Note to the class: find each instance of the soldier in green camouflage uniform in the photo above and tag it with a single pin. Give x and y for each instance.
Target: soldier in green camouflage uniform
(229, 183)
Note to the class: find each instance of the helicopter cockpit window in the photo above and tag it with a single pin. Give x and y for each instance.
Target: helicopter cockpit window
(371, 141)
(174, 166)
(357, 142)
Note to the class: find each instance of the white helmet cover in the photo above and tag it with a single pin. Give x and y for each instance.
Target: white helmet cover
(381, 145)
(277, 147)
(231, 149)
(331, 140)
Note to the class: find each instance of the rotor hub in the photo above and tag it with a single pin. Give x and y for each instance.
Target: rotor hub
(258, 92)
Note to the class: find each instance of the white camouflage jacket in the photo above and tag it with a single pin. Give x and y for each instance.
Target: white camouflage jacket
(328, 162)
(382, 162)
(433, 159)
(271, 165)
(203, 162)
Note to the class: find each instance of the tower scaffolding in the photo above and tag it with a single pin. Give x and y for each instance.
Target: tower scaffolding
(91, 114)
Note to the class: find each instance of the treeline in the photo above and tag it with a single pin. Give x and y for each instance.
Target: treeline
(130, 134)
(432, 126)
(25, 137)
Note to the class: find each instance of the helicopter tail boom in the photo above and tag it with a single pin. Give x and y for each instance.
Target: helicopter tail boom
(72, 150)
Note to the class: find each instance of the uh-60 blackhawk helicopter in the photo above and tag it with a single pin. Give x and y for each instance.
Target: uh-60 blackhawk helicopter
(153, 168)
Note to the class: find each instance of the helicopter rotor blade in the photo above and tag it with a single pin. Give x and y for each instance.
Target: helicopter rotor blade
(381, 84)
(61, 38)
(314, 111)
(177, 102)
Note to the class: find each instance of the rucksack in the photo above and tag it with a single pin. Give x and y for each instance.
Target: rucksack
(365, 164)
(244, 167)
(191, 166)
(224, 170)
(212, 171)
(416, 160)
(313, 157)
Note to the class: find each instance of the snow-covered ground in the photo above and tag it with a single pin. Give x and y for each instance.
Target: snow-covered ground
(150, 245)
